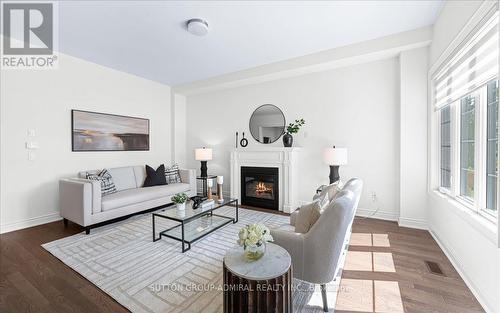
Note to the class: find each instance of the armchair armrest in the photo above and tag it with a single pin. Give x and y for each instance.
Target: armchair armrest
(293, 217)
(294, 244)
(78, 199)
(188, 176)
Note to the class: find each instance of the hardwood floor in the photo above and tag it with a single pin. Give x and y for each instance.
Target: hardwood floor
(32, 280)
(394, 258)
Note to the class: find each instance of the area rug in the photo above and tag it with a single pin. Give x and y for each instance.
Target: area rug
(146, 276)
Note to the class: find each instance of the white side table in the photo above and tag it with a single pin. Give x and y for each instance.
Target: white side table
(264, 285)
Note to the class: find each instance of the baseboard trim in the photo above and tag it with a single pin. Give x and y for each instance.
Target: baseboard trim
(34, 221)
(412, 223)
(457, 264)
(381, 215)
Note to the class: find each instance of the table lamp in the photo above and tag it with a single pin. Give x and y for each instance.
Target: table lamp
(203, 155)
(335, 157)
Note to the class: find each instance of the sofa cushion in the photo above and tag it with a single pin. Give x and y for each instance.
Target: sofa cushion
(136, 195)
(329, 190)
(155, 177)
(106, 181)
(123, 177)
(140, 175)
(172, 174)
(308, 215)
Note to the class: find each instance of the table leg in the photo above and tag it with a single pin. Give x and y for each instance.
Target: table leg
(236, 221)
(182, 235)
(153, 219)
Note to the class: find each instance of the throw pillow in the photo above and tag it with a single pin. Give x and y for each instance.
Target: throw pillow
(155, 178)
(172, 174)
(330, 190)
(107, 184)
(308, 215)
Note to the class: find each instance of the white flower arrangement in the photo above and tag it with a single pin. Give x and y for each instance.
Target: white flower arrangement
(254, 235)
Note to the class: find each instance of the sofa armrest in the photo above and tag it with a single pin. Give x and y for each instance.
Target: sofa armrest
(294, 244)
(79, 199)
(188, 176)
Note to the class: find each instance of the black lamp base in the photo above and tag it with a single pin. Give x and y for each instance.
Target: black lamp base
(334, 174)
(204, 169)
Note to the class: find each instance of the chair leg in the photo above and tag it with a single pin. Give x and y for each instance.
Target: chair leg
(323, 295)
(87, 230)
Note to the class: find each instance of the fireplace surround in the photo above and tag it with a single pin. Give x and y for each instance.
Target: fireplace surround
(284, 159)
(260, 187)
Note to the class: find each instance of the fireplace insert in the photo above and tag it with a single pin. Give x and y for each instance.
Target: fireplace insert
(259, 187)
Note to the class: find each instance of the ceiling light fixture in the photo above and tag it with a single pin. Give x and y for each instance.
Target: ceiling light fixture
(197, 26)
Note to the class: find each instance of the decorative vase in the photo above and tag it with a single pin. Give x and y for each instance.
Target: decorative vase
(181, 206)
(254, 252)
(287, 140)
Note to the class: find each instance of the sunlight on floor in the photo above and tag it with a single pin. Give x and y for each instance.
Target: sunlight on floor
(360, 295)
(367, 295)
(369, 261)
(370, 240)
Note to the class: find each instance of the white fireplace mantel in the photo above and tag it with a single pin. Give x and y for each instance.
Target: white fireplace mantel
(285, 159)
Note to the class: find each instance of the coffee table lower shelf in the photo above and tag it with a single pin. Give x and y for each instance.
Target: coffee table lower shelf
(194, 224)
(189, 232)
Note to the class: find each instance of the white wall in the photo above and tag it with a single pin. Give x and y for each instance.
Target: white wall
(356, 107)
(179, 129)
(42, 100)
(471, 244)
(413, 138)
(452, 19)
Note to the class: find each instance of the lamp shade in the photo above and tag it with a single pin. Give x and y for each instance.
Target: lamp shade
(203, 154)
(335, 156)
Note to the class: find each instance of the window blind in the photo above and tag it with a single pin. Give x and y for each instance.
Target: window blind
(472, 66)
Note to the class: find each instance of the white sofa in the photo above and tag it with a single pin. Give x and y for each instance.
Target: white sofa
(81, 202)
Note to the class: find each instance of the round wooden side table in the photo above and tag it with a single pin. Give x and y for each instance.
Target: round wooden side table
(262, 286)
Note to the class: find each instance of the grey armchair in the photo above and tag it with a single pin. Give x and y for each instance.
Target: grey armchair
(316, 254)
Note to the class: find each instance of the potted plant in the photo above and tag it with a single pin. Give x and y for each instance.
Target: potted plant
(180, 200)
(292, 128)
(253, 239)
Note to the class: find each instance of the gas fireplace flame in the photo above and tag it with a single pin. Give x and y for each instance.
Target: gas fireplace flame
(263, 188)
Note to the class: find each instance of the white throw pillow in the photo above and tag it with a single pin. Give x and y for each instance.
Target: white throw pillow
(330, 190)
(308, 215)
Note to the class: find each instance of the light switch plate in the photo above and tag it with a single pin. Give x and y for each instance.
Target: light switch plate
(31, 145)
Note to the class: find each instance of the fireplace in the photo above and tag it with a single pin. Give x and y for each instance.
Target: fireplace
(259, 187)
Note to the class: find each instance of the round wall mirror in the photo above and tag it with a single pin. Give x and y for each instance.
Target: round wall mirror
(267, 123)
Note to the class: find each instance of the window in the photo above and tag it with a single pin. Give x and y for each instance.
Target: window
(445, 150)
(467, 142)
(465, 94)
(492, 147)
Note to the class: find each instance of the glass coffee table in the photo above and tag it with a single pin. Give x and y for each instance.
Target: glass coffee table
(194, 223)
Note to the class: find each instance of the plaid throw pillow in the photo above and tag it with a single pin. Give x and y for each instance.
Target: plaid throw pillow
(107, 184)
(172, 174)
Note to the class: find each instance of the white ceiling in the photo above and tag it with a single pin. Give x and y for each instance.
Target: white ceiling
(148, 38)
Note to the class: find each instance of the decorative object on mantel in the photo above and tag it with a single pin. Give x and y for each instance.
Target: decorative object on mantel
(253, 239)
(203, 155)
(267, 123)
(220, 181)
(236, 146)
(180, 200)
(243, 141)
(292, 128)
(210, 184)
(261, 286)
(334, 157)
